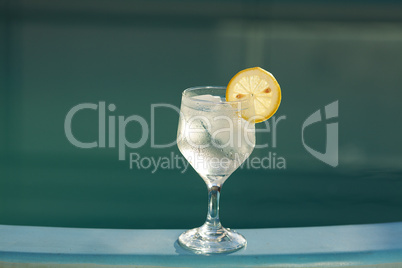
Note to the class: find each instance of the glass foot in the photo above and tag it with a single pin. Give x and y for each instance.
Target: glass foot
(202, 241)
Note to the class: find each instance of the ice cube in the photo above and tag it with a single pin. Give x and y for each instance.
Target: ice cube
(209, 97)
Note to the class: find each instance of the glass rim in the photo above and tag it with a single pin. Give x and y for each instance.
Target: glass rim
(207, 101)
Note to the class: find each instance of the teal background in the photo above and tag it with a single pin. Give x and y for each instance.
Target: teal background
(57, 54)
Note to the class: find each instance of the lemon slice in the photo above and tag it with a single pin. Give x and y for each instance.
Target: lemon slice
(260, 88)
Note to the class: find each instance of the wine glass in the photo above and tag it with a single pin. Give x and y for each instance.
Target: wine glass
(215, 140)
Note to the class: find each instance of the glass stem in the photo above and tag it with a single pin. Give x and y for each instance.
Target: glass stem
(213, 221)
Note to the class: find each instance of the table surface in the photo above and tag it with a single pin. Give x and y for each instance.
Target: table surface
(330, 246)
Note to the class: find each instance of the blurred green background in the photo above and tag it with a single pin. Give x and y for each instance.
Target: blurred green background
(55, 55)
